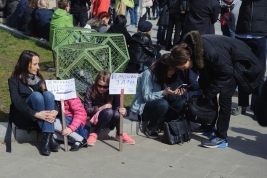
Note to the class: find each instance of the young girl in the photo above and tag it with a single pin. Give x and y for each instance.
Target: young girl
(103, 108)
(76, 117)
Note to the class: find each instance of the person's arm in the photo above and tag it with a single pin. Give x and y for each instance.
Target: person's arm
(88, 105)
(79, 114)
(18, 102)
(215, 11)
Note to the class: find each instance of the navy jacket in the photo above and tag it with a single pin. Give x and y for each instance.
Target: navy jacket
(42, 18)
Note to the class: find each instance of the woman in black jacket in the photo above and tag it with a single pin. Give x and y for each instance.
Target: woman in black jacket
(119, 27)
(29, 107)
(141, 50)
(222, 62)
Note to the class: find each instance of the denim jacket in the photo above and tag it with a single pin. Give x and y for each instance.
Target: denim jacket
(147, 90)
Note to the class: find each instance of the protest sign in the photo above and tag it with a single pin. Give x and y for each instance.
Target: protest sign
(62, 89)
(124, 81)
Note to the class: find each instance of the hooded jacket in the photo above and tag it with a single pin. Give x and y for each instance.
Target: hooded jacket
(223, 58)
(42, 19)
(60, 18)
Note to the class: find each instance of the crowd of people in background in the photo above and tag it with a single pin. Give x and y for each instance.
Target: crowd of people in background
(210, 64)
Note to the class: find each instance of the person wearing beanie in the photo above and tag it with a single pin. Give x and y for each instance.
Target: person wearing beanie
(141, 50)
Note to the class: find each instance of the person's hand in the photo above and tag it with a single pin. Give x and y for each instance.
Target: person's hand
(122, 111)
(179, 91)
(66, 132)
(167, 91)
(182, 12)
(104, 107)
(50, 116)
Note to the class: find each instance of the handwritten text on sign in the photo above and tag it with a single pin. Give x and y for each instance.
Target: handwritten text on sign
(62, 89)
(124, 81)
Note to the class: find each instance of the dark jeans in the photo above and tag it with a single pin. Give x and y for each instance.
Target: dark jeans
(41, 102)
(81, 17)
(175, 20)
(82, 131)
(161, 32)
(156, 110)
(108, 117)
(258, 47)
(225, 103)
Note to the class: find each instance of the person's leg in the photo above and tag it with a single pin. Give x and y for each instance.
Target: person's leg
(131, 11)
(148, 13)
(161, 33)
(225, 102)
(83, 18)
(104, 118)
(178, 27)
(175, 109)
(168, 44)
(135, 14)
(153, 112)
(75, 19)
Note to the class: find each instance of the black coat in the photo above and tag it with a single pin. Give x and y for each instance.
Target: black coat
(21, 113)
(120, 29)
(252, 18)
(42, 19)
(27, 23)
(141, 51)
(202, 16)
(224, 58)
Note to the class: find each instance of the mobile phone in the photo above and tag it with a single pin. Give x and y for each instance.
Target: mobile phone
(183, 86)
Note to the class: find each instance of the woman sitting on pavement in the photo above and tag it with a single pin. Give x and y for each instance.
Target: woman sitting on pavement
(103, 108)
(31, 108)
(141, 50)
(158, 95)
(119, 27)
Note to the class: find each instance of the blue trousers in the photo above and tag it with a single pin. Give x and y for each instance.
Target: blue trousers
(40, 102)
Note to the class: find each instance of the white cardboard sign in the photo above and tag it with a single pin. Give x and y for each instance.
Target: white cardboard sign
(124, 81)
(62, 89)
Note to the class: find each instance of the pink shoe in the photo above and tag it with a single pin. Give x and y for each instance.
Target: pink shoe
(92, 139)
(125, 138)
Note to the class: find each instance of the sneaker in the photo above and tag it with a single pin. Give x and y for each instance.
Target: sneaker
(215, 142)
(125, 138)
(207, 131)
(92, 139)
(239, 110)
(151, 132)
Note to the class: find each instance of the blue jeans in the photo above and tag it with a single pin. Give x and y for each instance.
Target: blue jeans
(258, 47)
(161, 32)
(133, 14)
(82, 131)
(40, 102)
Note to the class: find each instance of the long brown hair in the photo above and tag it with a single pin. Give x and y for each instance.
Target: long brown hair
(103, 75)
(21, 69)
(191, 47)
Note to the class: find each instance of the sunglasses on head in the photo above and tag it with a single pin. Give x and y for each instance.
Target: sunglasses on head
(101, 86)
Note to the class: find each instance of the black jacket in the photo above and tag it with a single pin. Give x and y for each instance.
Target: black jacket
(120, 29)
(176, 6)
(141, 52)
(224, 58)
(27, 23)
(21, 114)
(42, 18)
(252, 18)
(202, 16)
(77, 6)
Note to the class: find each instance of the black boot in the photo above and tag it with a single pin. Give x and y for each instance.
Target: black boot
(77, 145)
(45, 145)
(54, 146)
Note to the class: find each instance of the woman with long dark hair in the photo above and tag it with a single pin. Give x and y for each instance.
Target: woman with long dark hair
(157, 92)
(30, 107)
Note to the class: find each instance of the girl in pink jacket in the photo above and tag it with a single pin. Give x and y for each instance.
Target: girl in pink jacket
(75, 121)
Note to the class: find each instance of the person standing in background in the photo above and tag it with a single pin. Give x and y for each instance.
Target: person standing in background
(79, 11)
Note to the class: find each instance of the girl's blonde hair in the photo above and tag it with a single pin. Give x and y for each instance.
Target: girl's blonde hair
(43, 4)
(33, 3)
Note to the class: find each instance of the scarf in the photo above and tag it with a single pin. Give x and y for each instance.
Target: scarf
(31, 79)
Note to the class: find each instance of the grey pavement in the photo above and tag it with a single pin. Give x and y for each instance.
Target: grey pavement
(245, 157)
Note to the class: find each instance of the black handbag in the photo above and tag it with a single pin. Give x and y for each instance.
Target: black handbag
(201, 110)
(164, 17)
(176, 131)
